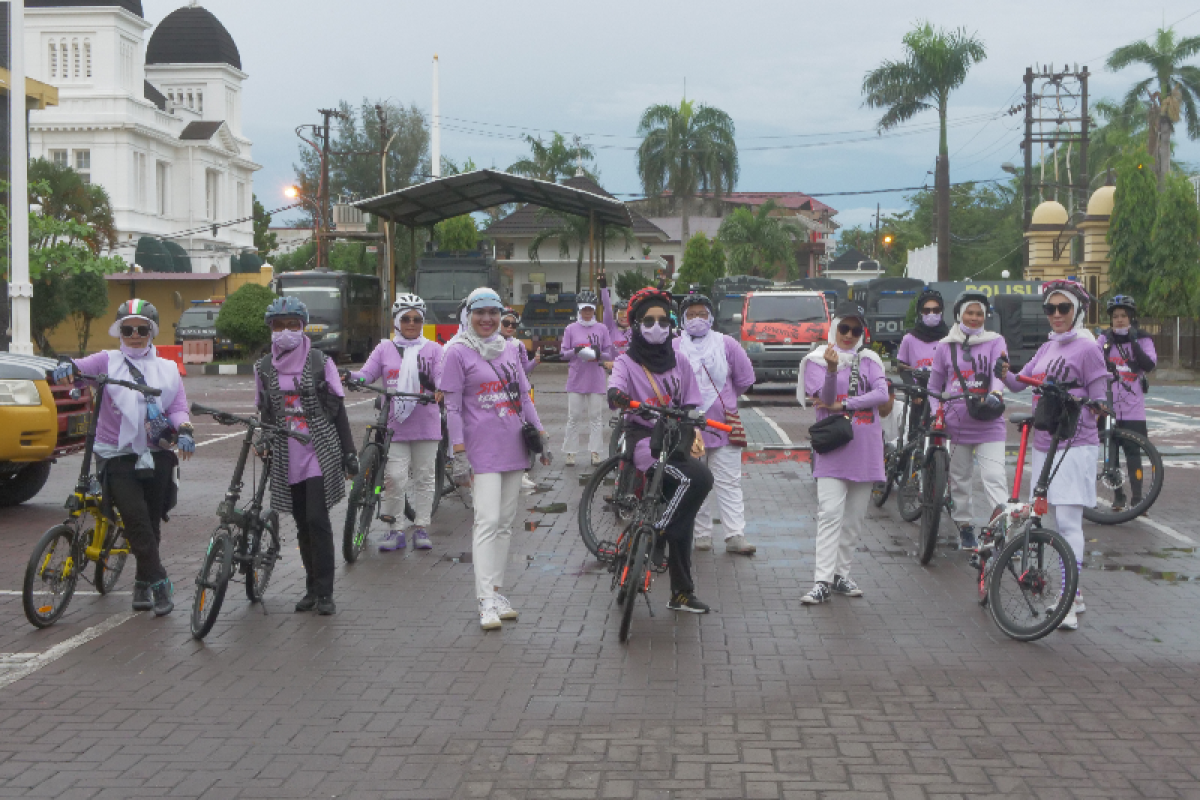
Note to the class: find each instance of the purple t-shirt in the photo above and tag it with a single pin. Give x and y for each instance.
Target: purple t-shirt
(915, 353)
(108, 423)
(481, 410)
(1129, 401)
(586, 377)
(302, 458)
(677, 387)
(618, 335)
(527, 363)
(425, 421)
(861, 459)
(1080, 359)
(977, 372)
(741, 378)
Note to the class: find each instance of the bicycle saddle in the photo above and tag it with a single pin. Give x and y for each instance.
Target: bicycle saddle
(1020, 419)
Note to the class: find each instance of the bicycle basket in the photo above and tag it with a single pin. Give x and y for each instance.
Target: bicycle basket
(1054, 413)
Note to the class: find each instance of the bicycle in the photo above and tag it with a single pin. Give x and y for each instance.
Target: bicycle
(901, 468)
(367, 489)
(1026, 571)
(603, 514)
(247, 537)
(929, 467)
(88, 534)
(629, 557)
(1121, 494)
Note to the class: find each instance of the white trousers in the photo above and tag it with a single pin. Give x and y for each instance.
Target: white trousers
(1068, 521)
(585, 411)
(963, 457)
(841, 509)
(418, 459)
(725, 463)
(496, 495)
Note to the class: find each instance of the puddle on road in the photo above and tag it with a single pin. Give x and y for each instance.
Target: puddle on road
(1152, 574)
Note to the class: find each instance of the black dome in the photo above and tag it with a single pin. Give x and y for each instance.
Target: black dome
(192, 35)
(134, 6)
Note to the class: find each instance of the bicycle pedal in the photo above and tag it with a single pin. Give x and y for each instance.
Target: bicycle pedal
(388, 518)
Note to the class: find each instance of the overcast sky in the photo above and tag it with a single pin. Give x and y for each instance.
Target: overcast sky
(780, 69)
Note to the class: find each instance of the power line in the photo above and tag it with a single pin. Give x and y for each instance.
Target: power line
(207, 228)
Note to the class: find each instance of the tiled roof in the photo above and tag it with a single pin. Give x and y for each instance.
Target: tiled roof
(200, 131)
(192, 35)
(525, 222)
(154, 95)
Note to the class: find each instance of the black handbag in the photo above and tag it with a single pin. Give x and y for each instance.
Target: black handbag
(530, 435)
(977, 406)
(836, 430)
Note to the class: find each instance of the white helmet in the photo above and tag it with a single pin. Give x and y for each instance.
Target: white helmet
(408, 302)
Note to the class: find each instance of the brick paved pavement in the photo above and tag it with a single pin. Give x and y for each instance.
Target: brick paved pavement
(910, 692)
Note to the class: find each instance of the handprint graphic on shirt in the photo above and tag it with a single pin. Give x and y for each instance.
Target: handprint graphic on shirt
(1057, 370)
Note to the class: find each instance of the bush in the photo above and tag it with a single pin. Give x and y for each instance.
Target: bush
(241, 318)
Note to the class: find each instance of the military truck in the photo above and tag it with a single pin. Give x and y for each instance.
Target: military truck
(443, 280)
(544, 318)
(886, 302)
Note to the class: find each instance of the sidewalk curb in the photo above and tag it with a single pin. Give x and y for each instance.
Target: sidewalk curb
(225, 369)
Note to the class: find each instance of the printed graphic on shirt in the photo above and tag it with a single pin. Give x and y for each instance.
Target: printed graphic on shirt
(293, 409)
(1126, 376)
(976, 375)
(862, 416)
(670, 387)
(502, 395)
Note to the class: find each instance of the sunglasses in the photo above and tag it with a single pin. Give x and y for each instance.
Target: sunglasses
(507, 323)
(286, 325)
(1058, 308)
(411, 319)
(650, 322)
(135, 330)
(844, 329)
(931, 310)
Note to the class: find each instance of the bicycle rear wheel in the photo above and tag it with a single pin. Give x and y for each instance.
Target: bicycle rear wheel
(883, 489)
(635, 577)
(50, 577)
(112, 558)
(1123, 492)
(360, 508)
(211, 583)
(262, 563)
(1030, 599)
(909, 488)
(607, 505)
(616, 439)
(933, 502)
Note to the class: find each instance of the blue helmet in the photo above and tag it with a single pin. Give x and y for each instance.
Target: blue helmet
(286, 307)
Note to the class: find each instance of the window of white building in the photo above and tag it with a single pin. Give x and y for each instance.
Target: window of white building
(212, 193)
(87, 57)
(83, 164)
(162, 187)
(139, 181)
(53, 60)
(241, 200)
(59, 158)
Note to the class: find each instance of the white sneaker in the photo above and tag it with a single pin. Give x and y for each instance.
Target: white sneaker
(1070, 621)
(489, 619)
(703, 543)
(504, 608)
(527, 486)
(1079, 604)
(595, 459)
(569, 460)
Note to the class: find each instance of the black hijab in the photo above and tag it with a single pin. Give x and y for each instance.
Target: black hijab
(924, 332)
(658, 358)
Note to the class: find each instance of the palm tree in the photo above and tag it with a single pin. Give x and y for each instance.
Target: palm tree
(935, 64)
(555, 160)
(572, 229)
(686, 150)
(758, 241)
(1176, 87)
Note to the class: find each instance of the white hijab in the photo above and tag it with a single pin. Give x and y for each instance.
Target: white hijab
(409, 379)
(844, 359)
(958, 336)
(709, 363)
(131, 405)
(490, 347)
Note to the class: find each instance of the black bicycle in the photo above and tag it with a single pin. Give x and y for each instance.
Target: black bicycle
(902, 463)
(246, 537)
(610, 497)
(367, 489)
(1124, 491)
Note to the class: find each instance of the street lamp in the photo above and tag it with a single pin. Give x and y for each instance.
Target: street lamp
(294, 193)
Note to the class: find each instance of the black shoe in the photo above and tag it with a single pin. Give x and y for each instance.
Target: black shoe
(687, 602)
(162, 592)
(966, 538)
(141, 596)
(1118, 503)
(659, 555)
(325, 606)
(307, 603)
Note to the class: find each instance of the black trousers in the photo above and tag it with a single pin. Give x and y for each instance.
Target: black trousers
(314, 534)
(1133, 454)
(140, 501)
(686, 483)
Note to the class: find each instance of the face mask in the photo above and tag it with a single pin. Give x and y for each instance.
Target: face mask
(931, 320)
(1121, 331)
(287, 340)
(969, 331)
(131, 352)
(655, 334)
(698, 326)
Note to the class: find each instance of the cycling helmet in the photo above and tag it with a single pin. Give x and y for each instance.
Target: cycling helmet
(511, 312)
(928, 294)
(408, 302)
(620, 305)
(644, 298)
(131, 310)
(586, 298)
(689, 300)
(1122, 301)
(286, 307)
(970, 297)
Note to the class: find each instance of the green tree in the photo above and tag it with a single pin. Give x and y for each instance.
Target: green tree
(241, 318)
(703, 263)
(62, 196)
(1135, 209)
(1170, 93)
(554, 160)
(302, 258)
(757, 242)
(86, 296)
(686, 150)
(1175, 250)
(572, 230)
(457, 233)
(630, 281)
(265, 242)
(935, 63)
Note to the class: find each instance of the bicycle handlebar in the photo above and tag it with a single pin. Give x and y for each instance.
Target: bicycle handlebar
(103, 380)
(422, 397)
(225, 418)
(920, 391)
(1062, 389)
(682, 416)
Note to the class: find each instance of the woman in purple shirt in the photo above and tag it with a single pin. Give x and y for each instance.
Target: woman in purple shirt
(1071, 355)
(487, 403)
(846, 475)
(616, 317)
(919, 345)
(297, 386)
(408, 362)
(723, 371)
(652, 373)
(586, 347)
(1131, 356)
(510, 321)
(137, 472)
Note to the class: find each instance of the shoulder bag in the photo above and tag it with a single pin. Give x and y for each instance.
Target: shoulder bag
(737, 437)
(836, 430)
(977, 407)
(530, 435)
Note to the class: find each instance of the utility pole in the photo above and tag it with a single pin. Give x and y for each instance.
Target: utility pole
(435, 128)
(875, 241)
(323, 191)
(20, 290)
(388, 279)
(1027, 146)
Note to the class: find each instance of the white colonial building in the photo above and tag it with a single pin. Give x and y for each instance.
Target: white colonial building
(157, 122)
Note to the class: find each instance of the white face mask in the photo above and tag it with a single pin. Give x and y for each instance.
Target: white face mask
(655, 334)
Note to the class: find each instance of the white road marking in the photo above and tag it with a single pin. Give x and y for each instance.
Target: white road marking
(24, 664)
(1169, 531)
(783, 437)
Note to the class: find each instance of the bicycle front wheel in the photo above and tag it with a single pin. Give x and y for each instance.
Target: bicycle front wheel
(262, 563)
(211, 583)
(1128, 478)
(634, 580)
(606, 506)
(616, 439)
(112, 558)
(50, 577)
(360, 508)
(1032, 584)
(933, 501)
(880, 491)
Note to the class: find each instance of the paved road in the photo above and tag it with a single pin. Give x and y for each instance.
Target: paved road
(910, 692)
